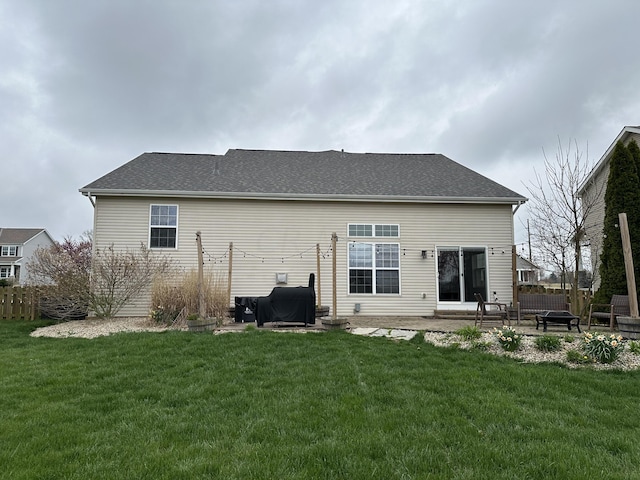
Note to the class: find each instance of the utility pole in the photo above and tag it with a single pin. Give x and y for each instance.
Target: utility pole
(529, 236)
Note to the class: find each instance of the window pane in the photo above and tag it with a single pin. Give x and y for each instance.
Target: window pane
(387, 255)
(387, 281)
(162, 215)
(360, 281)
(449, 274)
(386, 230)
(163, 238)
(360, 255)
(360, 230)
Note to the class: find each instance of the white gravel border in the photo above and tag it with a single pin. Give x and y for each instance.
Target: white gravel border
(92, 328)
(528, 353)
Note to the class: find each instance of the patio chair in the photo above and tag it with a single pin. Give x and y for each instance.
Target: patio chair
(501, 313)
(619, 305)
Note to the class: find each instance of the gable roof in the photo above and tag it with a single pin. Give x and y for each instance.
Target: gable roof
(524, 264)
(303, 175)
(604, 160)
(18, 236)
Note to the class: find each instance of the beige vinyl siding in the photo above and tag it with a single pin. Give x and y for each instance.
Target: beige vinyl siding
(595, 219)
(272, 237)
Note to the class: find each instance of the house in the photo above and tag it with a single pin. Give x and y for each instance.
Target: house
(415, 233)
(592, 193)
(16, 248)
(528, 272)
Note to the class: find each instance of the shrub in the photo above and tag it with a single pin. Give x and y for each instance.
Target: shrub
(602, 348)
(508, 339)
(547, 343)
(176, 294)
(469, 332)
(62, 274)
(634, 347)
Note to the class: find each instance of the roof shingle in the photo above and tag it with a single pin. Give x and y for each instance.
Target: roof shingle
(300, 173)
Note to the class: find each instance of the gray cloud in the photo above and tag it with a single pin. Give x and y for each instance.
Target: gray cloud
(86, 86)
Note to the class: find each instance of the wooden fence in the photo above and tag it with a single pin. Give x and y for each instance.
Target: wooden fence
(18, 303)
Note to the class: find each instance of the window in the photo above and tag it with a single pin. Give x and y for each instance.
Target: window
(9, 251)
(5, 272)
(163, 226)
(374, 268)
(386, 230)
(370, 230)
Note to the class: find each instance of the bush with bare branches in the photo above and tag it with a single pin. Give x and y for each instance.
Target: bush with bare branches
(73, 281)
(176, 294)
(61, 273)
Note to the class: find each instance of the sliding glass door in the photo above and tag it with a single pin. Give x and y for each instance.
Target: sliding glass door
(462, 272)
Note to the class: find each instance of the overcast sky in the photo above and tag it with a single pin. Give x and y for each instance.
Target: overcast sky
(85, 86)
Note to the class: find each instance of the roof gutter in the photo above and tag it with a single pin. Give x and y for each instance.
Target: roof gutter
(301, 197)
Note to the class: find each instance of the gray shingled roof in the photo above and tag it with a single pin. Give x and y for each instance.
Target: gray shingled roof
(299, 174)
(17, 236)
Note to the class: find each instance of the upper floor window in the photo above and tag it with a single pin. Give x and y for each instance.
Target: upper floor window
(163, 226)
(9, 251)
(373, 230)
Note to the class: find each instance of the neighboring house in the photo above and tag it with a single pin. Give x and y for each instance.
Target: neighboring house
(416, 232)
(592, 193)
(528, 272)
(16, 247)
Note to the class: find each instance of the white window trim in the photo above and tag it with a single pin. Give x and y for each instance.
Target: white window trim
(373, 230)
(374, 269)
(453, 304)
(164, 226)
(8, 250)
(8, 269)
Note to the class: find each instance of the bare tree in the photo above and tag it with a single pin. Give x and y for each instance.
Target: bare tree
(558, 214)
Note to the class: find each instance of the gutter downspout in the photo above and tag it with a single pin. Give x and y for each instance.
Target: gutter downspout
(514, 211)
(88, 195)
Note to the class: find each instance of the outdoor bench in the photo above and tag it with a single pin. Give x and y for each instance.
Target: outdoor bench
(533, 304)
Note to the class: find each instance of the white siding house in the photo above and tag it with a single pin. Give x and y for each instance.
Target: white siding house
(416, 233)
(592, 192)
(17, 245)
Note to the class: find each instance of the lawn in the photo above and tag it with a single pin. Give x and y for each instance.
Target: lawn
(277, 405)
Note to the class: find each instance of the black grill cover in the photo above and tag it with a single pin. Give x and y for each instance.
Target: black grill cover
(288, 304)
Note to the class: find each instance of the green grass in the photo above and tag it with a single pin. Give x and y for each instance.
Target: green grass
(271, 405)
